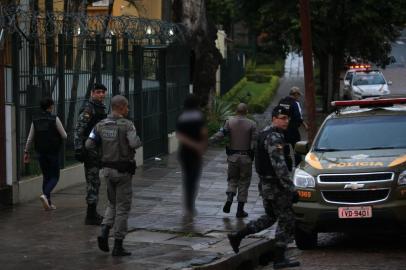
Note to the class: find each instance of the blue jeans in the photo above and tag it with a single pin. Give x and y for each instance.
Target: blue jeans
(49, 164)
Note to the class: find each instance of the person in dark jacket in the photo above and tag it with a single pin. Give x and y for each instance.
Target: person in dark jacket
(292, 134)
(46, 133)
(91, 113)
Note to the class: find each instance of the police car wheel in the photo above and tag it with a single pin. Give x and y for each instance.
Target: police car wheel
(305, 240)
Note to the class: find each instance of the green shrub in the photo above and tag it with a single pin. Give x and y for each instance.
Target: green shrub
(220, 110)
(235, 90)
(259, 103)
(258, 77)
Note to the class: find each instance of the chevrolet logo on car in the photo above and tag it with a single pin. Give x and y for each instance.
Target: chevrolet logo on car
(354, 186)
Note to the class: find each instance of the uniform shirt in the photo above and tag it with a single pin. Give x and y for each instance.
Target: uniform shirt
(31, 134)
(116, 137)
(190, 123)
(274, 144)
(242, 132)
(91, 113)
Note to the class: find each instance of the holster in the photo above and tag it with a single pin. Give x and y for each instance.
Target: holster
(122, 167)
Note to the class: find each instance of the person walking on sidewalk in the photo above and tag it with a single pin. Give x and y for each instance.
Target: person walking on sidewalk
(47, 134)
(117, 140)
(292, 134)
(243, 133)
(191, 132)
(277, 190)
(90, 114)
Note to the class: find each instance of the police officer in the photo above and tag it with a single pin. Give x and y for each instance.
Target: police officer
(242, 132)
(276, 189)
(92, 112)
(117, 139)
(292, 134)
(47, 133)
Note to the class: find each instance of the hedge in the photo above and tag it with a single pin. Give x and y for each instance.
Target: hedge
(258, 104)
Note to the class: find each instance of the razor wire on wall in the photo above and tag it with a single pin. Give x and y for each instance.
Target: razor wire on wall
(144, 31)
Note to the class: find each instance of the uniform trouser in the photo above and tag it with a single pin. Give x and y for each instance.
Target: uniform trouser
(239, 175)
(92, 182)
(49, 164)
(119, 194)
(191, 170)
(278, 209)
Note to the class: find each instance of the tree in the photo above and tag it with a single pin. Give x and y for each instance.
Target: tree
(358, 28)
(201, 34)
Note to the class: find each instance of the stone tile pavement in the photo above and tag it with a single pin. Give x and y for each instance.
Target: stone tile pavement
(160, 237)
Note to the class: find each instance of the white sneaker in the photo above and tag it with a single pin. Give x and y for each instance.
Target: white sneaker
(44, 202)
(52, 207)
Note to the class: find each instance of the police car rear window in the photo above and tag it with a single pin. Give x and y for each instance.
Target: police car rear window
(362, 133)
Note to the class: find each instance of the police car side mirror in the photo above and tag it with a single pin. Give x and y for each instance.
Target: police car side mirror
(389, 82)
(302, 147)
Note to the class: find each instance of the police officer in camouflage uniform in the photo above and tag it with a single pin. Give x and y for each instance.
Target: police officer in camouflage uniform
(242, 132)
(117, 140)
(92, 112)
(277, 190)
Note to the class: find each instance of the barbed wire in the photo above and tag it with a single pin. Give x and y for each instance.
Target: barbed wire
(34, 24)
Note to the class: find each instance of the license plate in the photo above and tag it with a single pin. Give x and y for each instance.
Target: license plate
(355, 212)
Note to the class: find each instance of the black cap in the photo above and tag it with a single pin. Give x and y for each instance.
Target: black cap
(279, 110)
(98, 86)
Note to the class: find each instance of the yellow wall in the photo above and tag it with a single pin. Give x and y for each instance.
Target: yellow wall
(150, 9)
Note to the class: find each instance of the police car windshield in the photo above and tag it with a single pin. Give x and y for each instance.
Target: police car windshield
(368, 79)
(363, 133)
(349, 75)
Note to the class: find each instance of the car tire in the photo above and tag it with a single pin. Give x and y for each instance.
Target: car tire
(305, 240)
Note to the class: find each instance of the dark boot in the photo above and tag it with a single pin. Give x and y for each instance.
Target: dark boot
(227, 205)
(281, 261)
(240, 211)
(236, 238)
(118, 249)
(103, 238)
(92, 217)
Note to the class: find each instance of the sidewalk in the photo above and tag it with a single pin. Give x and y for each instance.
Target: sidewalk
(159, 237)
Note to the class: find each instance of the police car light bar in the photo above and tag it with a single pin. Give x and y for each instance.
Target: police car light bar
(366, 66)
(369, 102)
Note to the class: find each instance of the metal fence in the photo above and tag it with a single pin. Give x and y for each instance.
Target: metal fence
(232, 70)
(152, 72)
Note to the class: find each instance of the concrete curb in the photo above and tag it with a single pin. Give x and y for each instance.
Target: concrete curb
(248, 258)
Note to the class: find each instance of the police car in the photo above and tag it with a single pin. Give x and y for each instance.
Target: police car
(353, 177)
(368, 83)
(348, 77)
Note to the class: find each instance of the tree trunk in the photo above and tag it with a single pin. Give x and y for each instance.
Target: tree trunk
(201, 34)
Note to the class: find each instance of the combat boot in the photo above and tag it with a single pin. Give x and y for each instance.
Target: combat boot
(118, 249)
(92, 217)
(227, 205)
(240, 211)
(103, 238)
(281, 261)
(236, 238)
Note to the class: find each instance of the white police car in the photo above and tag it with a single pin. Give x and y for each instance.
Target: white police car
(369, 83)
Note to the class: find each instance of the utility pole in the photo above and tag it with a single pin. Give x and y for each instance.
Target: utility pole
(2, 111)
(310, 104)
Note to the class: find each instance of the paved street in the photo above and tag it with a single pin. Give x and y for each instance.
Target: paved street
(360, 252)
